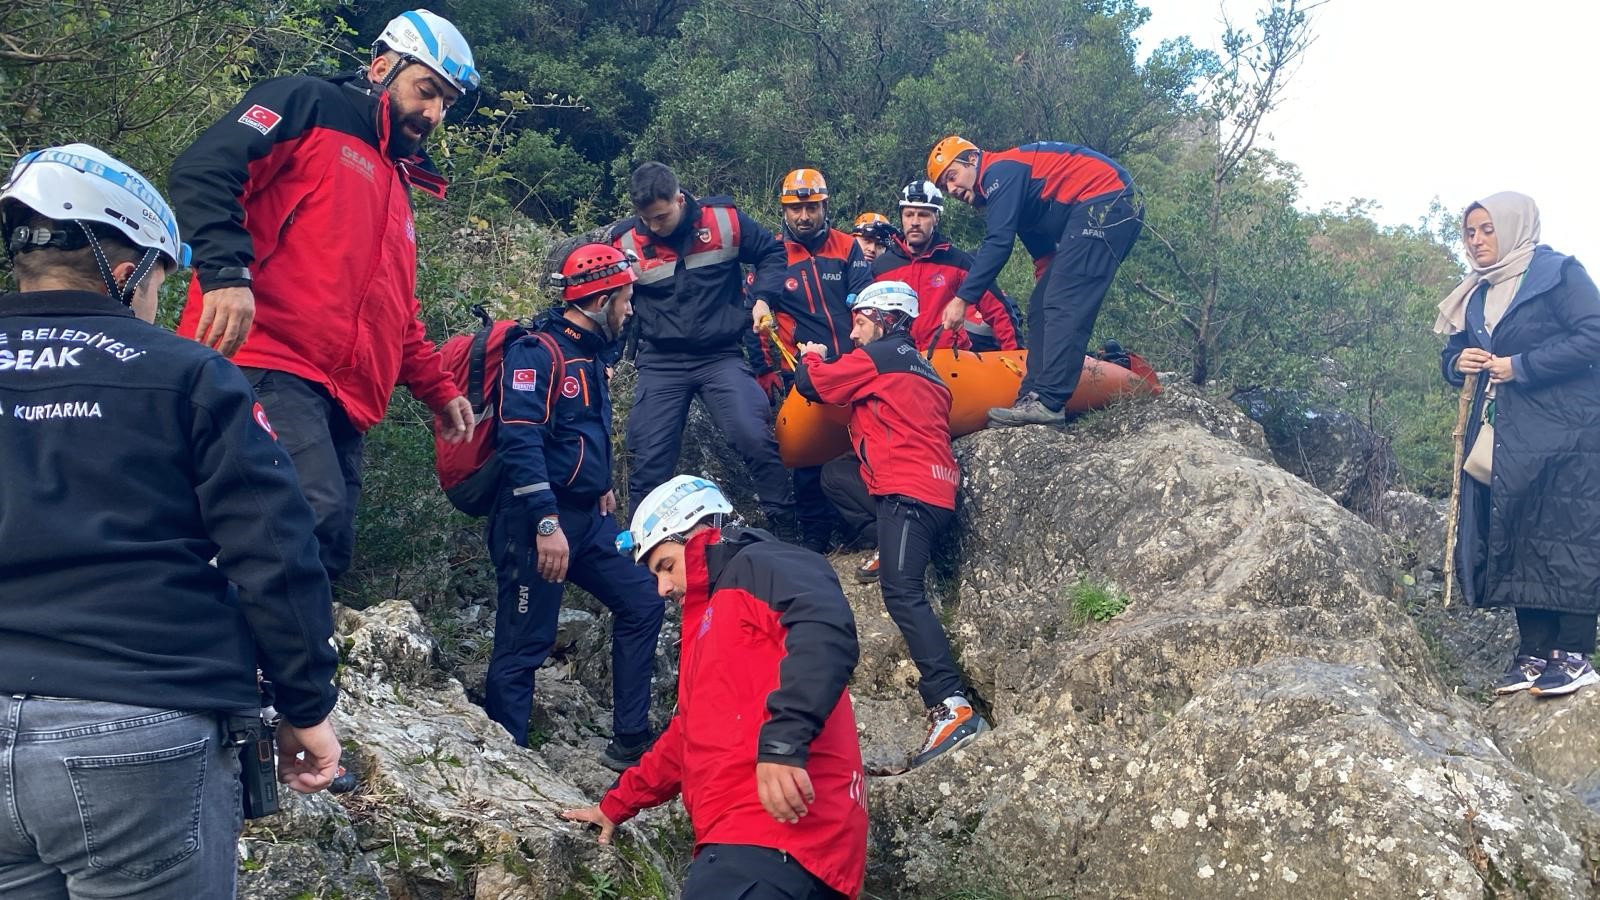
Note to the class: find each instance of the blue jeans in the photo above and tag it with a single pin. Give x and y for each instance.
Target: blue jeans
(106, 800)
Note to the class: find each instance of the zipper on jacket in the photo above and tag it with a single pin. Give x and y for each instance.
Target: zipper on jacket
(833, 334)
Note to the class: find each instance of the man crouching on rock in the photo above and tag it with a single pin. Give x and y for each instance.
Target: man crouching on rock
(763, 745)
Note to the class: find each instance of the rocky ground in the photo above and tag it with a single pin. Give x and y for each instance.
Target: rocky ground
(1281, 709)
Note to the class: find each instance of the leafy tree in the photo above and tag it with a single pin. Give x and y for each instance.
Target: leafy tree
(1238, 97)
(143, 77)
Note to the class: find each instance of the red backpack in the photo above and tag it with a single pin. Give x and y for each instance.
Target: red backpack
(469, 471)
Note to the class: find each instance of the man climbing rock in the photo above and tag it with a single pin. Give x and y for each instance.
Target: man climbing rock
(763, 747)
(554, 515)
(1078, 213)
(901, 480)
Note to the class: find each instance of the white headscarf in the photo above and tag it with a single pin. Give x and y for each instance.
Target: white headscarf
(1516, 225)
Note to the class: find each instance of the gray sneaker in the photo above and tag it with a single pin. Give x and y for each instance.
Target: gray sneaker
(1028, 410)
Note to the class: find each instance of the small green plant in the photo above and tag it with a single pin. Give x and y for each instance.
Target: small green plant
(1094, 602)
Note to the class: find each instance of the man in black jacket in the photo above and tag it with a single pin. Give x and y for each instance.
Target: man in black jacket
(691, 320)
(133, 460)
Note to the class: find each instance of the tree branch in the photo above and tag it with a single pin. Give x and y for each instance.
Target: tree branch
(1164, 300)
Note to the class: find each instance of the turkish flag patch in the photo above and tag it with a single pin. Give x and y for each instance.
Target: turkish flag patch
(260, 118)
(523, 379)
(261, 419)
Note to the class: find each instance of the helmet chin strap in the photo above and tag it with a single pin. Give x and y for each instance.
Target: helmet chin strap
(602, 319)
(123, 293)
(394, 72)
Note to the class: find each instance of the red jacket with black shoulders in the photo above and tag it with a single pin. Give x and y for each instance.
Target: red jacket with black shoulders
(296, 184)
(769, 645)
(936, 274)
(899, 417)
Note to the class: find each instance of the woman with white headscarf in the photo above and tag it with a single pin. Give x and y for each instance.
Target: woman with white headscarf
(1528, 319)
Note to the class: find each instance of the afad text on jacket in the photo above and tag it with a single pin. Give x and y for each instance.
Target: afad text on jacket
(1028, 192)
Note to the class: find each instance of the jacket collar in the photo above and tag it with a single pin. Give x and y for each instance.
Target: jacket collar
(1544, 273)
(61, 303)
(936, 245)
(417, 171)
(983, 169)
(555, 322)
(811, 246)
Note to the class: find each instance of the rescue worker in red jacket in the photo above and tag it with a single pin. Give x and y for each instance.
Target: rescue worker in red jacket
(692, 318)
(824, 270)
(305, 257)
(902, 480)
(920, 256)
(872, 232)
(1078, 214)
(763, 745)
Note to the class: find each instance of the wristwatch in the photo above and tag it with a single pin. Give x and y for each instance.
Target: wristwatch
(548, 525)
(234, 273)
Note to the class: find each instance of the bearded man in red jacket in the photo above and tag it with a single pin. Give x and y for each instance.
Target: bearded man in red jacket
(298, 207)
(763, 746)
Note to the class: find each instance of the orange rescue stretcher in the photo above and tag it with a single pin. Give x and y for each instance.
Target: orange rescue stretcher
(810, 434)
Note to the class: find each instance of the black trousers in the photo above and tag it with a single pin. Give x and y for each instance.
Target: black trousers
(1543, 630)
(746, 872)
(1066, 300)
(326, 450)
(907, 530)
(858, 512)
(739, 409)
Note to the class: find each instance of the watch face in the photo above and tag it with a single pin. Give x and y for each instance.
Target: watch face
(547, 527)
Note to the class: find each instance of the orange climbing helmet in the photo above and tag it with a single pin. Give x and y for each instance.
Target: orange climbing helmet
(868, 222)
(946, 152)
(803, 186)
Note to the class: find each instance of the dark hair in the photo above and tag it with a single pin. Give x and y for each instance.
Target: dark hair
(76, 266)
(970, 157)
(652, 182)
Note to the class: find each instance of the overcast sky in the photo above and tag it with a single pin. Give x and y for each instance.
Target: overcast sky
(1401, 101)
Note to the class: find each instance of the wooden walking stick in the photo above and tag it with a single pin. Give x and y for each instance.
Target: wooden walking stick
(1463, 409)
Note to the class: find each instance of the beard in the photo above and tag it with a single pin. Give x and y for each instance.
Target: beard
(401, 144)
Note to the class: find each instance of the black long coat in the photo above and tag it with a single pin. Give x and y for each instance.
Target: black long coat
(1532, 537)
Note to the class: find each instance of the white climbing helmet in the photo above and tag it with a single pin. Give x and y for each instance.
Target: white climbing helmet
(430, 39)
(669, 511)
(887, 296)
(80, 183)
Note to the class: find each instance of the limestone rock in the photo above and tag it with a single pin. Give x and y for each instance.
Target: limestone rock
(1263, 717)
(449, 807)
(1554, 737)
